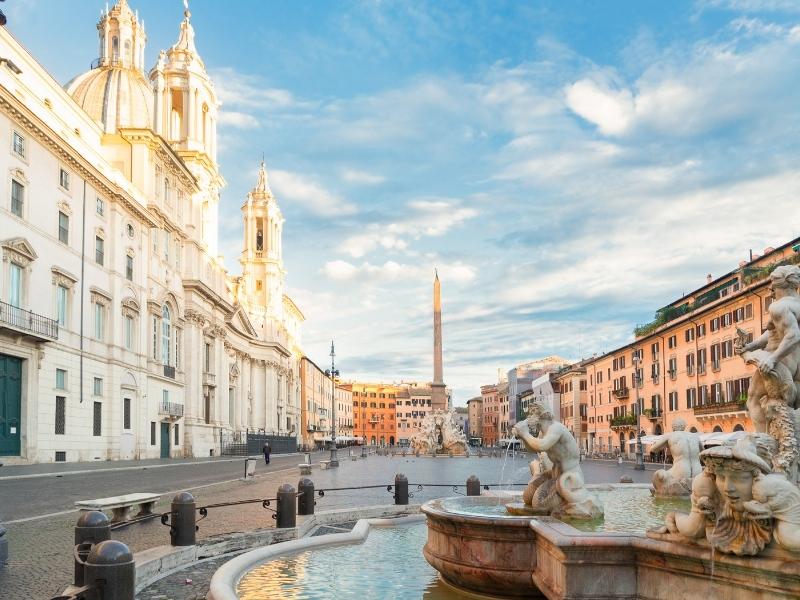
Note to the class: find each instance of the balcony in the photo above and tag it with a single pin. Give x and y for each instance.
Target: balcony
(27, 322)
(622, 393)
(721, 410)
(624, 422)
(170, 409)
(209, 379)
(654, 415)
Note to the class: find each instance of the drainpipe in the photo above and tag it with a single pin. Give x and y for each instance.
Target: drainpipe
(83, 285)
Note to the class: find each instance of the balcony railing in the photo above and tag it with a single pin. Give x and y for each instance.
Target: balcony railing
(622, 393)
(169, 371)
(720, 408)
(172, 409)
(209, 379)
(653, 415)
(623, 421)
(28, 322)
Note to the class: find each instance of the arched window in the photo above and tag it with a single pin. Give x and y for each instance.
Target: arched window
(166, 334)
(738, 427)
(693, 430)
(115, 48)
(717, 429)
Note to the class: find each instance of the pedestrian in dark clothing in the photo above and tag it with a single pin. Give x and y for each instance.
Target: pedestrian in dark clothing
(267, 450)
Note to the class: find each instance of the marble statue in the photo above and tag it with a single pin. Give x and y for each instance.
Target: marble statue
(685, 448)
(557, 486)
(774, 393)
(739, 505)
(439, 434)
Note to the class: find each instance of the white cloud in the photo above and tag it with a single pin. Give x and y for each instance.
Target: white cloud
(340, 270)
(361, 177)
(308, 193)
(611, 110)
(237, 119)
(424, 217)
(239, 89)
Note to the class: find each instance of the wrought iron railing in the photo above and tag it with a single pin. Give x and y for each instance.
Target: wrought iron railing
(722, 407)
(173, 409)
(29, 321)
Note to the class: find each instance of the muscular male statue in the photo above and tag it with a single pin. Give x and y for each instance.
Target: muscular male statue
(685, 448)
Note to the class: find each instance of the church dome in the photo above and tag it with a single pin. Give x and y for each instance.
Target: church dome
(116, 97)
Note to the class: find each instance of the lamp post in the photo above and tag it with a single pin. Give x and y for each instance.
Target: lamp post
(333, 373)
(639, 451)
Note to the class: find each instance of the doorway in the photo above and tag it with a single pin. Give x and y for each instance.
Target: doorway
(10, 405)
(164, 440)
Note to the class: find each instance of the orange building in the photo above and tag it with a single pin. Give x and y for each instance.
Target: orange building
(573, 400)
(374, 420)
(682, 365)
(491, 414)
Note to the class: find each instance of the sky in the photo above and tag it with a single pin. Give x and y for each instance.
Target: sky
(569, 167)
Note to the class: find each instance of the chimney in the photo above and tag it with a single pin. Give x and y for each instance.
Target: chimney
(709, 278)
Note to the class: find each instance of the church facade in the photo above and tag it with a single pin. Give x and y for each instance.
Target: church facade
(122, 335)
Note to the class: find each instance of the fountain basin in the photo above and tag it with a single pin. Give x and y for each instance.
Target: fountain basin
(475, 548)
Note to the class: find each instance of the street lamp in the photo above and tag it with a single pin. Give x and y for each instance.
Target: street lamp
(333, 374)
(639, 451)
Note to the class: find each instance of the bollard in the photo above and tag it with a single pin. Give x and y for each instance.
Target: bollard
(111, 571)
(183, 527)
(305, 497)
(363, 452)
(92, 527)
(400, 489)
(473, 486)
(286, 511)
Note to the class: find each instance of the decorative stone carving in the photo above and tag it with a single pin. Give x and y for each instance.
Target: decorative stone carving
(63, 278)
(773, 394)
(439, 434)
(195, 317)
(685, 448)
(739, 505)
(557, 486)
(20, 251)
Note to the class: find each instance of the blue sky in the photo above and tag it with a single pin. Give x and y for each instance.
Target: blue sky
(570, 167)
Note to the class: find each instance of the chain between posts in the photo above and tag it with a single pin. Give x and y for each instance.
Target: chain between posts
(420, 486)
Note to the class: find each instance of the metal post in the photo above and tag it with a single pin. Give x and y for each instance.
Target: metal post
(184, 519)
(400, 489)
(639, 452)
(92, 527)
(286, 511)
(305, 497)
(111, 571)
(473, 486)
(364, 451)
(334, 459)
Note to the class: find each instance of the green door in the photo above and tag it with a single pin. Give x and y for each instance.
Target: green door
(10, 405)
(164, 440)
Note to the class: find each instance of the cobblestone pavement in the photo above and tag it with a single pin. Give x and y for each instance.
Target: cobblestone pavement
(41, 550)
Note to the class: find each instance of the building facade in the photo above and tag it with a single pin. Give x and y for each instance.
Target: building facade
(491, 414)
(316, 405)
(374, 412)
(544, 389)
(572, 387)
(122, 335)
(683, 365)
(475, 416)
(521, 377)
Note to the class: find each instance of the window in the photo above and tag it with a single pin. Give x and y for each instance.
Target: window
(691, 397)
(100, 207)
(98, 419)
(63, 178)
(127, 332)
(130, 230)
(702, 358)
(701, 330)
(61, 379)
(97, 388)
(672, 341)
(726, 319)
(715, 324)
(152, 433)
(177, 435)
(673, 367)
(63, 228)
(61, 415)
(207, 358)
(673, 400)
(18, 144)
(99, 318)
(61, 305)
(716, 393)
(690, 364)
(727, 349)
(689, 334)
(715, 356)
(99, 250)
(177, 348)
(126, 413)
(166, 330)
(17, 197)
(129, 267)
(15, 286)
(166, 245)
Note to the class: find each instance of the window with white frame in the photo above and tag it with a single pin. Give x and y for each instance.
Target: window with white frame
(17, 198)
(97, 386)
(63, 227)
(100, 206)
(62, 305)
(166, 334)
(15, 285)
(61, 379)
(18, 144)
(129, 267)
(99, 250)
(128, 332)
(99, 312)
(63, 178)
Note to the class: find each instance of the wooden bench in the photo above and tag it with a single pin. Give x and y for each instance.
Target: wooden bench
(121, 505)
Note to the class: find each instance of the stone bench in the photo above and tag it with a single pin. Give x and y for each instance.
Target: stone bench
(121, 505)
(324, 464)
(305, 468)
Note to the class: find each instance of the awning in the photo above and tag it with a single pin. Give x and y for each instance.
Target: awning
(647, 440)
(717, 438)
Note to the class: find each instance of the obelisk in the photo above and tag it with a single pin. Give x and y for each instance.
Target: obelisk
(438, 388)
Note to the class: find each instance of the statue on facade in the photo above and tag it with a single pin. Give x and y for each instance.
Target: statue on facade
(773, 396)
(685, 448)
(439, 434)
(739, 505)
(557, 486)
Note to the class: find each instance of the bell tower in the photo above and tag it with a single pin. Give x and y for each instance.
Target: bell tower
(186, 109)
(262, 256)
(122, 38)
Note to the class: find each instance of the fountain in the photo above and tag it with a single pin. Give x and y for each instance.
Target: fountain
(685, 448)
(439, 435)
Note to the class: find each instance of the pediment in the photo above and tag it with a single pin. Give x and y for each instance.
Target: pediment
(241, 322)
(20, 246)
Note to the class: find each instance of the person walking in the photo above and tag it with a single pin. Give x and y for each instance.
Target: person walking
(267, 450)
